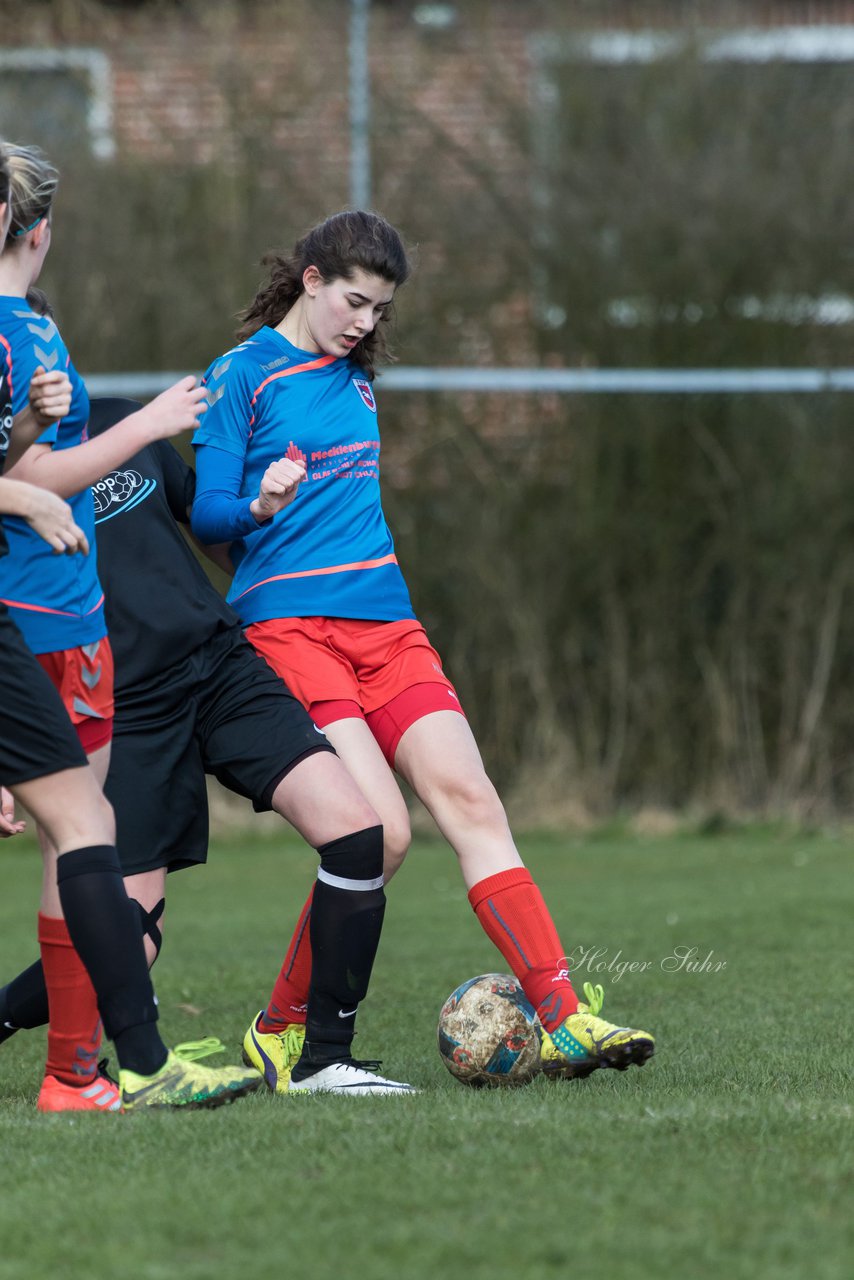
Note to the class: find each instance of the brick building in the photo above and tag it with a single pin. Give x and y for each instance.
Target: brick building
(201, 81)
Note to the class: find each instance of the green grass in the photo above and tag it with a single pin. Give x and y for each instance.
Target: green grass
(727, 1156)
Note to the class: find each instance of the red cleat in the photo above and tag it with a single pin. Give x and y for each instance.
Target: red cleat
(100, 1095)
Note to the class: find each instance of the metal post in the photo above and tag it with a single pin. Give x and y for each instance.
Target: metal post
(360, 107)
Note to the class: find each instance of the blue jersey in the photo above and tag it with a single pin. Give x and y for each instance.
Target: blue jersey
(56, 600)
(5, 415)
(330, 553)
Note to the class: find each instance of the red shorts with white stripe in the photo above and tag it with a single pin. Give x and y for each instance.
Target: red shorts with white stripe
(386, 673)
(83, 677)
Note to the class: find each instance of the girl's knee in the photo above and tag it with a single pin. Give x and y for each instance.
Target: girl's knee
(397, 836)
(474, 801)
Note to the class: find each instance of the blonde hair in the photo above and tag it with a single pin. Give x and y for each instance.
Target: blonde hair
(4, 174)
(32, 185)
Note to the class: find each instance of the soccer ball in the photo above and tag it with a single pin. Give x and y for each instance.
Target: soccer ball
(489, 1034)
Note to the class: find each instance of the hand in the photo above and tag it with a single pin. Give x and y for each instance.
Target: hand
(50, 396)
(176, 409)
(52, 519)
(279, 486)
(8, 825)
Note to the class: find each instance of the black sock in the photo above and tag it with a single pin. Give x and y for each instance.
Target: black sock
(346, 921)
(23, 1002)
(104, 925)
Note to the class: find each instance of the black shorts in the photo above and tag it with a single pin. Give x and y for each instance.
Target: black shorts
(36, 735)
(221, 711)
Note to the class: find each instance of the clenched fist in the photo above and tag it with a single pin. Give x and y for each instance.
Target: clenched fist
(279, 486)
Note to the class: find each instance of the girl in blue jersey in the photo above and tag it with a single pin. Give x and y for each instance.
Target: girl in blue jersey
(44, 512)
(288, 472)
(89, 932)
(59, 607)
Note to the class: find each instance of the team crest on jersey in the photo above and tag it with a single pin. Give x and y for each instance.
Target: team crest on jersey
(365, 390)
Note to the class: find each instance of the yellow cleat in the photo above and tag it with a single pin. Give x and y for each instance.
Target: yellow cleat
(186, 1085)
(274, 1053)
(585, 1042)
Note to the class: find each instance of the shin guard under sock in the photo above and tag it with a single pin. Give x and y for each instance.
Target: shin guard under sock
(511, 911)
(104, 926)
(345, 925)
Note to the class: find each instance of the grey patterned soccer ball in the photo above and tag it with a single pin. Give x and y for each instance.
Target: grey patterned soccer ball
(489, 1033)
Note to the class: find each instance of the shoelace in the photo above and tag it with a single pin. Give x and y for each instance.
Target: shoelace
(102, 1071)
(595, 997)
(195, 1050)
(291, 1045)
(366, 1064)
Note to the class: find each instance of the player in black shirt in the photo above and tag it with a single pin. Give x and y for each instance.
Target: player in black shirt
(193, 697)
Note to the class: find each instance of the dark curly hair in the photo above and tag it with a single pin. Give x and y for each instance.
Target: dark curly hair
(342, 244)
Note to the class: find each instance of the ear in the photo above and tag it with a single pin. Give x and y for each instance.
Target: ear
(311, 280)
(38, 233)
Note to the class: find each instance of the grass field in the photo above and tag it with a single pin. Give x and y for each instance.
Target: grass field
(730, 1155)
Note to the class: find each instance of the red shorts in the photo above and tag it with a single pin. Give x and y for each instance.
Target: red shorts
(83, 677)
(386, 673)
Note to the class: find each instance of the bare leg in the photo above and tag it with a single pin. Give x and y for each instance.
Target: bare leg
(365, 763)
(70, 807)
(321, 800)
(439, 758)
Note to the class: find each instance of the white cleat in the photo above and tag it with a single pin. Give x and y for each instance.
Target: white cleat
(348, 1077)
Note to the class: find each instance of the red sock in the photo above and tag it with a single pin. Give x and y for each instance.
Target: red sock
(289, 1000)
(74, 1032)
(514, 916)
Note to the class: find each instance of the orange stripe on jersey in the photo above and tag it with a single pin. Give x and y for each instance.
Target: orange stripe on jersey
(316, 573)
(288, 373)
(320, 363)
(41, 608)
